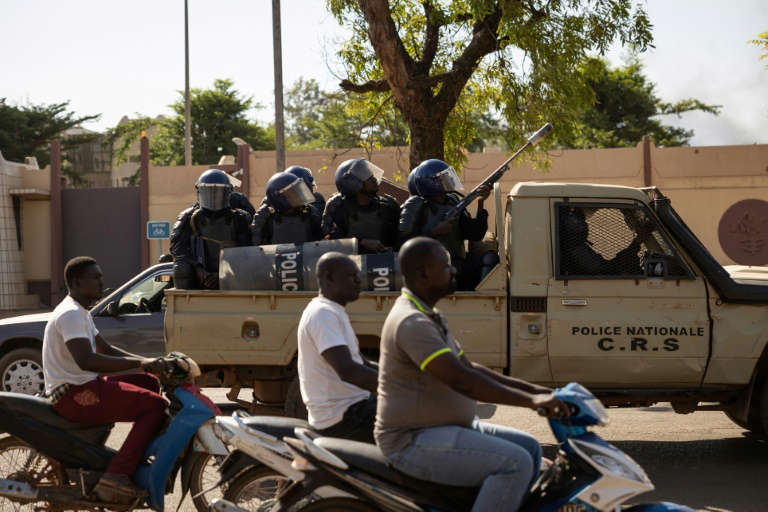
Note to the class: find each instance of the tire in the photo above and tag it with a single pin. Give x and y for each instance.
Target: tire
(339, 505)
(205, 474)
(762, 413)
(256, 486)
(19, 461)
(21, 371)
(294, 405)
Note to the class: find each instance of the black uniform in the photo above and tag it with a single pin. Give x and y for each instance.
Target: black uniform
(418, 216)
(272, 227)
(345, 218)
(197, 237)
(240, 201)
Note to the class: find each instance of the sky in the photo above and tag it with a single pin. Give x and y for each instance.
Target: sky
(121, 58)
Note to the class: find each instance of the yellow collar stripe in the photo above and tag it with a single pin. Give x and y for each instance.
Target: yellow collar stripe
(417, 304)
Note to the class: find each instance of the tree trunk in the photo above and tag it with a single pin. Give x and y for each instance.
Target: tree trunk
(427, 140)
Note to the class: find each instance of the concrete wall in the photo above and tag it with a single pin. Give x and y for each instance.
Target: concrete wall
(703, 182)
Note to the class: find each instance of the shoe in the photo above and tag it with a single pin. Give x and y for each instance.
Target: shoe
(113, 488)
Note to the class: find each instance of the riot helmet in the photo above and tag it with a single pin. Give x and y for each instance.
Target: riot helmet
(303, 173)
(286, 191)
(213, 190)
(434, 177)
(412, 185)
(351, 175)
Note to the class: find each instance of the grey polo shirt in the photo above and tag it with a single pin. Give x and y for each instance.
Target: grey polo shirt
(409, 398)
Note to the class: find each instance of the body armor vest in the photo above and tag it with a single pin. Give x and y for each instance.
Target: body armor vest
(453, 241)
(211, 233)
(366, 222)
(291, 229)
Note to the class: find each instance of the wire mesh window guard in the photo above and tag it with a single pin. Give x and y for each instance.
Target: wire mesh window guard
(612, 241)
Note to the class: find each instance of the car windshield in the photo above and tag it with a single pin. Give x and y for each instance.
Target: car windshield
(149, 289)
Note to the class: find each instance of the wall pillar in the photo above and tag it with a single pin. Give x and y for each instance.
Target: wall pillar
(647, 179)
(144, 201)
(58, 290)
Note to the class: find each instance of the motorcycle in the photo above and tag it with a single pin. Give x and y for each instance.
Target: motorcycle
(55, 463)
(587, 475)
(259, 465)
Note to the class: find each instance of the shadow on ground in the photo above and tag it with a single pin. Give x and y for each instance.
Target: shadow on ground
(676, 467)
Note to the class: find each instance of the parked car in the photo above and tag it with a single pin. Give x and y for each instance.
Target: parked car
(130, 317)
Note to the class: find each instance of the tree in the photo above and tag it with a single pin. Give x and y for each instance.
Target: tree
(28, 130)
(322, 119)
(441, 62)
(626, 107)
(762, 43)
(217, 115)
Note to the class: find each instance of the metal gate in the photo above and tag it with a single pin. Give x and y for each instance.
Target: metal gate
(104, 223)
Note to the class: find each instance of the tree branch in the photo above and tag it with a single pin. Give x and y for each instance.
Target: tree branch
(397, 64)
(370, 86)
(484, 41)
(431, 38)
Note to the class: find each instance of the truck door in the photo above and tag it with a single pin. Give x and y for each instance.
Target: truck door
(623, 308)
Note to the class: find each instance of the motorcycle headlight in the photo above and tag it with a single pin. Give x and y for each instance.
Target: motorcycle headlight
(223, 432)
(616, 467)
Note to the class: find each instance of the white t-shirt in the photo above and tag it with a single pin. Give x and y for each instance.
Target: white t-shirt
(325, 324)
(68, 321)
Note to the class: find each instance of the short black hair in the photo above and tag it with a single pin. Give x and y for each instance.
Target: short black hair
(414, 252)
(330, 261)
(75, 268)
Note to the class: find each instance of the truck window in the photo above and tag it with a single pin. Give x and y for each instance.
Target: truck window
(612, 241)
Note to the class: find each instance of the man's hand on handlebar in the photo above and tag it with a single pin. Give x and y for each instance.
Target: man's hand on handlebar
(550, 406)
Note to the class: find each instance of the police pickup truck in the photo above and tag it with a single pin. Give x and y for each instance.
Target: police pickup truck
(604, 285)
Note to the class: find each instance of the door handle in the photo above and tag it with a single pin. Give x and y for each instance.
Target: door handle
(574, 302)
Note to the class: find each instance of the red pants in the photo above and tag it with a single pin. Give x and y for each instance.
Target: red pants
(131, 398)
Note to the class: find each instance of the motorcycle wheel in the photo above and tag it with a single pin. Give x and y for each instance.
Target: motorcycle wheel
(205, 474)
(19, 461)
(339, 505)
(256, 486)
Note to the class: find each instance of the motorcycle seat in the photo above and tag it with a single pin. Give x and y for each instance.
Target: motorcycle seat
(40, 409)
(276, 426)
(369, 458)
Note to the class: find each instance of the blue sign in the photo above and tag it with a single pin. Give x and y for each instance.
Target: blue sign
(158, 230)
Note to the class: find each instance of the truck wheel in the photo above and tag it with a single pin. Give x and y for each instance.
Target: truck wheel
(21, 371)
(294, 405)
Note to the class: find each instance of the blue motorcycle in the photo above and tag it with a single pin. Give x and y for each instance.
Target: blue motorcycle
(587, 475)
(53, 463)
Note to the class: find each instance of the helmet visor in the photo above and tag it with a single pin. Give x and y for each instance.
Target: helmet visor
(449, 180)
(297, 194)
(363, 169)
(213, 196)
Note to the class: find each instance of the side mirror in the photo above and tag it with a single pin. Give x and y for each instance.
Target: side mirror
(112, 309)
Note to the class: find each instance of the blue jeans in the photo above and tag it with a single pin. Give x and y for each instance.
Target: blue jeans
(502, 461)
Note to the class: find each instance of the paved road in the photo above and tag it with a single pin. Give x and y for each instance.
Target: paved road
(701, 459)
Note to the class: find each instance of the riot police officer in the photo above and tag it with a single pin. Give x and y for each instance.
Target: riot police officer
(359, 211)
(305, 174)
(287, 216)
(204, 229)
(436, 185)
